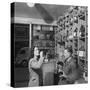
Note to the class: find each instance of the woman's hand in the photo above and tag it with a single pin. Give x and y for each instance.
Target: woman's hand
(63, 75)
(41, 54)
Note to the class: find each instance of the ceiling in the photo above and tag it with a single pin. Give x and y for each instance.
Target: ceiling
(22, 10)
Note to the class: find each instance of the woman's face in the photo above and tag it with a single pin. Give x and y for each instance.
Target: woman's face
(36, 51)
(66, 54)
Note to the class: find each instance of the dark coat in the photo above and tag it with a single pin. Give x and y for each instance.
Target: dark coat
(71, 71)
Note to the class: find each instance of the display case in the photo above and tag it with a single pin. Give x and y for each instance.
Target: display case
(43, 36)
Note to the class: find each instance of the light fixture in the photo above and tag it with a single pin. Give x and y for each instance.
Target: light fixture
(31, 4)
(71, 8)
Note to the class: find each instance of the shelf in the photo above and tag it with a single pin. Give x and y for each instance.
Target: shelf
(20, 40)
(46, 47)
(45, 40)
(43, 31)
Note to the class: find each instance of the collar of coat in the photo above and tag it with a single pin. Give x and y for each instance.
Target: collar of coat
(68, 60)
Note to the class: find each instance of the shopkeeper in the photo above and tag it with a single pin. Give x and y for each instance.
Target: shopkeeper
(70, 70)
(35, 64)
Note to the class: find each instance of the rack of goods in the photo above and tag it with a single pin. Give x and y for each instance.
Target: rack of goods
(73, 32)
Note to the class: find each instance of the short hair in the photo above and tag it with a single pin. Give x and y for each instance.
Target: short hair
(69, 49)
(60, 63)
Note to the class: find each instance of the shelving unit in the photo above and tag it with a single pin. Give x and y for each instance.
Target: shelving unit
(72, 31)
(43, 36)
(21, 36)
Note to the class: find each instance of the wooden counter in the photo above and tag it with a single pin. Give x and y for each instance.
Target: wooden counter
(48, 73)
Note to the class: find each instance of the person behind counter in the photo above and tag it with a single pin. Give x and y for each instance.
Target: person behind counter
(70, 72)
(60, 68)
(34, 68)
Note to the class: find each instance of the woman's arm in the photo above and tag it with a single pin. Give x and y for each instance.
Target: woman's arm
(36, 64)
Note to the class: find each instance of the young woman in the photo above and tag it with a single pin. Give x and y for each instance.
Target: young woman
(34, 68)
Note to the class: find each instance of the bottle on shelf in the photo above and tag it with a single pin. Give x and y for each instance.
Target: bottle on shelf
(75, 32)
(82, 31)
(75, 19)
